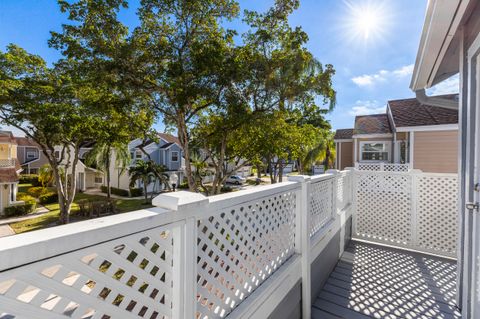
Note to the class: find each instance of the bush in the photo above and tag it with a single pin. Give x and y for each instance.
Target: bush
(37, 191)
(183, 185)
(226, 189)
(22, 209)
(90, 208)
(26, 198)
(136, 192)
(48, 198)
(29, 179)
(115, 191)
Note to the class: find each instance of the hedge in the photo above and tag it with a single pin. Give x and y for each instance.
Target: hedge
(28, 207)
(37, 191)
(48, 198)
(136, 192)
(115, 191)
(29, 179)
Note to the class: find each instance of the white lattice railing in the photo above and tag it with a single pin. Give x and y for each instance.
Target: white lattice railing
(189, 257)
(7, 162)
(383, 167)
(411, 209)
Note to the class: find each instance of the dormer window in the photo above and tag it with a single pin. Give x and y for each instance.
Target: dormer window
(138, 155)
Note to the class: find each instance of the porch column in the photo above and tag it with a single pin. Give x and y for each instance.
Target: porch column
(355, 151)
(411, 146)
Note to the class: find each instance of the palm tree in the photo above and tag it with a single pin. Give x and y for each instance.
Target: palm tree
(323, 152)
(45, 175)
(101, 157)
(144, 172)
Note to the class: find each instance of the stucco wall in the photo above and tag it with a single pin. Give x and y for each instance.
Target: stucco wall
(436, 151)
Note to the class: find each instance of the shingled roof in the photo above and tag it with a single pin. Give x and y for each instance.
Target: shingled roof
(372, 124)
(343, 134)
(410, 112)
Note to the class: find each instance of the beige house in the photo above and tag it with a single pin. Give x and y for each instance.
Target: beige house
(9, 170)
(410, 132)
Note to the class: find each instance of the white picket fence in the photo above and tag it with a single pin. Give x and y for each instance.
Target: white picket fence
(412, 210)
(236, 255)
(189, 257)
(382, 167)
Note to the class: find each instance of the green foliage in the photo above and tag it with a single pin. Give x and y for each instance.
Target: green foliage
(37, 191)
(48, 198)
(21, 209)
(136, 192)
(115, 191)
(26, 198)
(90, 207)
(29, 179)
(45, 175)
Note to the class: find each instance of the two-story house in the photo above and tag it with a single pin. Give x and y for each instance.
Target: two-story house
(420, 133)
(9, 170)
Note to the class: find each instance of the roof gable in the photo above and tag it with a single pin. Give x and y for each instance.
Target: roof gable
(372, 124)
(343, 134)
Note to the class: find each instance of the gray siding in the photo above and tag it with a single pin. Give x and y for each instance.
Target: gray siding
(291, 305)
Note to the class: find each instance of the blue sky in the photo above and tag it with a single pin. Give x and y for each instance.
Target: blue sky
(369, 70)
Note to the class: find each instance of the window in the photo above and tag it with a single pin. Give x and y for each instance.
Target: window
(174, 156)
(57, 154)
(375, 151)
(138, 155)
(98, 180)
(31, 154)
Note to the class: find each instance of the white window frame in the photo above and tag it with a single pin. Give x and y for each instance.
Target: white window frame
(138, 155)
(30, 153)
(171, 156)
(388, 145)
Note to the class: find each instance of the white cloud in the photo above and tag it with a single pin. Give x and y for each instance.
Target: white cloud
(450, 85)
(366, 108)
(369, 80)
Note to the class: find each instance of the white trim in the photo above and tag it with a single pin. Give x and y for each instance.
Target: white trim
(166, 148)
(171, 156)
(428, 128)
(410, 155)
(373, 135)
(390, 116)
(343, 140)
(388, 148)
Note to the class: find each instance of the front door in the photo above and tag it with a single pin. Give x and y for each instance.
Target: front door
(471, 217)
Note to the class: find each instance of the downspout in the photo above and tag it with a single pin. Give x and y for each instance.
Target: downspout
(423, 98)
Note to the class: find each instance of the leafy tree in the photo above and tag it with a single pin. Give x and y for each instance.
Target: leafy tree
(142, 171)
(101, 157)
(45, 175)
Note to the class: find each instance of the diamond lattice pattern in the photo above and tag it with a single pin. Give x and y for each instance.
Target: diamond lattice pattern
(321, 204)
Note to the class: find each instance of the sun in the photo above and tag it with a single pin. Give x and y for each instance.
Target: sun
(366, 20)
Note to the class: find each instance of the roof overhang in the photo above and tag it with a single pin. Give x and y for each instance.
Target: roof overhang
(376, 135)
(438, 53)
(428, 128)
(343, 140)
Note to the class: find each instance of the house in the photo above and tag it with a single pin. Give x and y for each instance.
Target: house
(166, 151)
(9, 170)
(31, 158)
(423, 135)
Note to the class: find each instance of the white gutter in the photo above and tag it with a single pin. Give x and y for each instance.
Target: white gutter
(423, 98)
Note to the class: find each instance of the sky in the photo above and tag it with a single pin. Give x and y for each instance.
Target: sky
(372, 44)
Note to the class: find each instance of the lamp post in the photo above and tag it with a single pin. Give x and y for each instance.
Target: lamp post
(173, 180)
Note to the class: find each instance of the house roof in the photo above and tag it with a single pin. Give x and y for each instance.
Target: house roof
(7, 137)
(343, 134)
(25, 141)
(167, 145)
(169, 138)
(410, 112)
(8, 175)
(372, 124)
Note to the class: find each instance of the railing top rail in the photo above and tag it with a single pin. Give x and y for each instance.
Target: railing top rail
(42, 244)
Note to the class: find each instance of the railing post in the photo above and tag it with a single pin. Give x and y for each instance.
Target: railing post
(336, 205)
(185, 291)
(414, 191)
(303, 240)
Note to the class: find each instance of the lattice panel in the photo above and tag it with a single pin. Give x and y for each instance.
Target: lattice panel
(129, 277)
(344, 190)
(368, 166)
(384, 207)
(320, 204)
(240, 247)
(396, 167)
(437, 206)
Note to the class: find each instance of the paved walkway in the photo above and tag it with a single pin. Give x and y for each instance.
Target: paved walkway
(6, 230)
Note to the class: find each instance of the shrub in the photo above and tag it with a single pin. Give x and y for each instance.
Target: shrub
(115, 191)
(29, 179)
(183, 185)
(26, 198)
(48, 198)
(226, 189)
(37, 191)
(136, 192)
(22, 209)
(90, 208)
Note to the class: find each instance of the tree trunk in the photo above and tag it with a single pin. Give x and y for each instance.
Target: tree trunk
(145, 186)
(109, 191)
(183, 137)
(280, 172)
(259, 172)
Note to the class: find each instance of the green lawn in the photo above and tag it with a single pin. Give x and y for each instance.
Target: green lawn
(50, 219)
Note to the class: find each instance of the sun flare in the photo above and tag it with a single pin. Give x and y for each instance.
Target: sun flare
(366, 20)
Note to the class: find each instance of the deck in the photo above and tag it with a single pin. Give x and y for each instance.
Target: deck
(373, 281)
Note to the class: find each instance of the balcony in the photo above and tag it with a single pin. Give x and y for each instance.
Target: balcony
(6, 162)
(290, 250)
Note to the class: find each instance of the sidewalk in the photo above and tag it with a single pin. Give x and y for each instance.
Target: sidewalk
(39, 211)
(6, 230)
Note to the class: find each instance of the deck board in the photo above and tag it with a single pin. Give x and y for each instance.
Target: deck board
(373, 281)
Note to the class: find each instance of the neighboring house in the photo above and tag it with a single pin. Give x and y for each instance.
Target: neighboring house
(422, 135)
(166, 151)
(32, 159)
(9, 170)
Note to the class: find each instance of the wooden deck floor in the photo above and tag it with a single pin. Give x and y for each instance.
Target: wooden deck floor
(378, 282)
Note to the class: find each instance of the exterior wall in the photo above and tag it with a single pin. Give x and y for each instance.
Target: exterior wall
(13, 151)
(436, 151)
(5, 200)
(173, 166)
(4, 151)
(346, 155)
(90, 179)
(376, 139)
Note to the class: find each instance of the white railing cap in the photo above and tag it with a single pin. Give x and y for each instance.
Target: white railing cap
(179, 200)
(298, 178)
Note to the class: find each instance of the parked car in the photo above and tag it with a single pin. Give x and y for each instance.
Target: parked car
(235, 179)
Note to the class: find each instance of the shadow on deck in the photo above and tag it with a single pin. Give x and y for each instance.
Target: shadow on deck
(373, 281)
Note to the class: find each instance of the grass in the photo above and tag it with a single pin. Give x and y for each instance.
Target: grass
(51, 218)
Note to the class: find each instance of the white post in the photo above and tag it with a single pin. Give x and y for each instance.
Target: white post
(185, 294)
(382, 167)
(410, 157)
(414, 191)
(303, 239)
